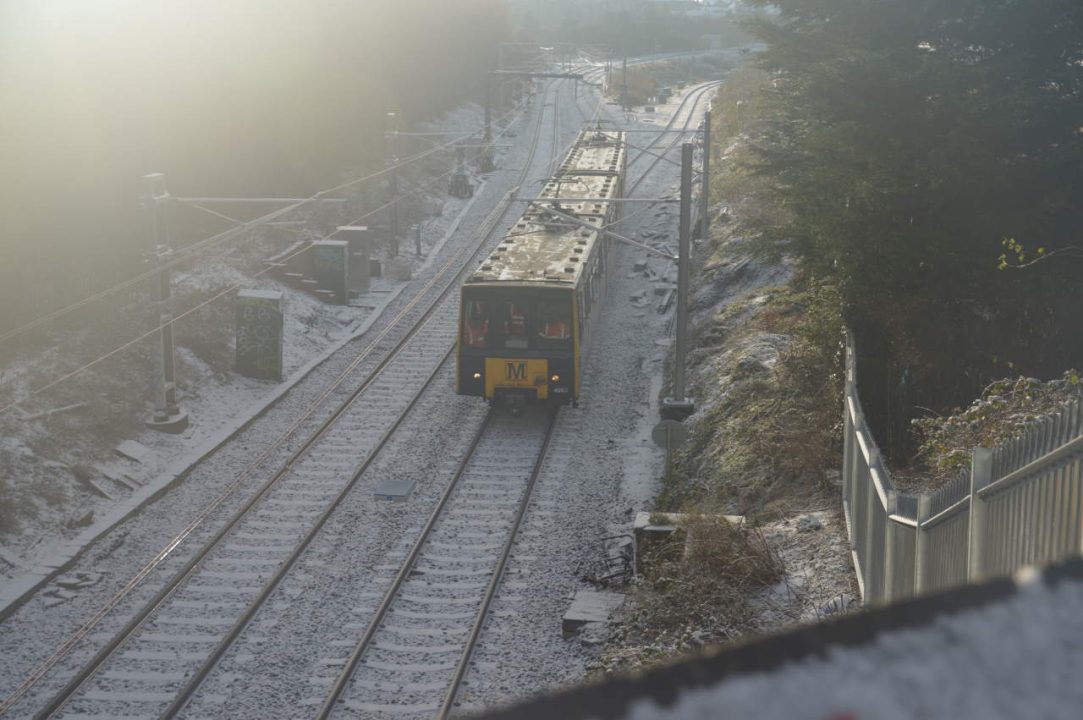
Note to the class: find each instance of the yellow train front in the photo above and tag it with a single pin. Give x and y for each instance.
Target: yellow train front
(526, 312)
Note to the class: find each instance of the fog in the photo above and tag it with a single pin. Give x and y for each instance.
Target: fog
(249, 97)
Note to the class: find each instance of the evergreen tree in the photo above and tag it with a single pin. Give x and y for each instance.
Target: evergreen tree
(910, 139)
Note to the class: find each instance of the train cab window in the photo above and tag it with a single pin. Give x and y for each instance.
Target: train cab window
(476, 324)
(515, 331)
(554, 328)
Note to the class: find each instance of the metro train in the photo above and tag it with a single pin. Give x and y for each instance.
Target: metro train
(526, 313)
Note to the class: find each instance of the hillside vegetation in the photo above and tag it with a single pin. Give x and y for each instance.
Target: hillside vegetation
(912, 169)
(929, 159)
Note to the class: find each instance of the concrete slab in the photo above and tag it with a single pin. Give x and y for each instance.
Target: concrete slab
(589, 606)
(394, 489)
(134, 451)
(123, 482)
(96, 488)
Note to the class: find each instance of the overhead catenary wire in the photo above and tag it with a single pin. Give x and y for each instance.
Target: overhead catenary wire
(226, 291)
(189, 251)
(232, 288)
(647, 203)
(576, 221)
(489, 222)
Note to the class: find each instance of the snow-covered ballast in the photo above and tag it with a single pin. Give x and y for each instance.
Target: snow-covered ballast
(526, 312)
(1000, 650)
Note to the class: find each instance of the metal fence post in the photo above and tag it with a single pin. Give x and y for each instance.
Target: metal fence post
(1074, 476)
(890, 530)
(679, 405)
(981, 474)
(921, 542)
(847, 456)
(871, 499)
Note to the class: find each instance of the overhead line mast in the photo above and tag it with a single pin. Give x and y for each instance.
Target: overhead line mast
(167, 416)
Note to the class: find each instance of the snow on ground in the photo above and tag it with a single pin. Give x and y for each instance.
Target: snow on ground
(809, 538)
(819, 578)
(1003, 650)
(602, 468)
(214, 487)
(606, 468)
(218, 404)
(212, 491)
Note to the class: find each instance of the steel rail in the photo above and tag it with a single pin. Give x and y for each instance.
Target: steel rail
(480, 619)
(69, 690)
(698, 92)
(284, 569)
(498, 575)
(227, 641)
(695, 96)
(388, 599)
(133, 626)
(693, 92)
(363, 644)
(179, 703)
(61, 699)
(318, 403)
(403, 574)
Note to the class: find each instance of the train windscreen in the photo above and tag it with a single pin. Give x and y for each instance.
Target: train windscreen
(509, 320)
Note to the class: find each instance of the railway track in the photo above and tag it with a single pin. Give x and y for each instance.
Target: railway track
(223, 586)
(592, 114)
(158, 662)
(413, 656)
(695, 96)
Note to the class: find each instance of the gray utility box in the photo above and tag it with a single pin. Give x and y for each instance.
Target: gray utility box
(359, 239)
(258, 327)
(331, 266)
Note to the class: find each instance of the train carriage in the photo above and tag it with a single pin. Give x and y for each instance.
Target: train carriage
(526, 312)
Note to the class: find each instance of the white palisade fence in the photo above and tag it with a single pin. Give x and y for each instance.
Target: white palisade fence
(1019, 504)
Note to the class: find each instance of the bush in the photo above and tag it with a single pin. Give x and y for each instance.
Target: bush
(768, 443)
(696, 586)
(1004, 409)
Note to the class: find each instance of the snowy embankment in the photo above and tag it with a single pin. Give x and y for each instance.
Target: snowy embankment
(92, 484)
(604, 469)
(761, 446)
(998, 651)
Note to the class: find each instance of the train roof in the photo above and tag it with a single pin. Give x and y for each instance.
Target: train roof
(566, 191)
(596, 151)
(543, 247)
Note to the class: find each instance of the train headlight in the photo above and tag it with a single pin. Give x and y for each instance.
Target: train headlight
(477, 376)
(555, 378)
